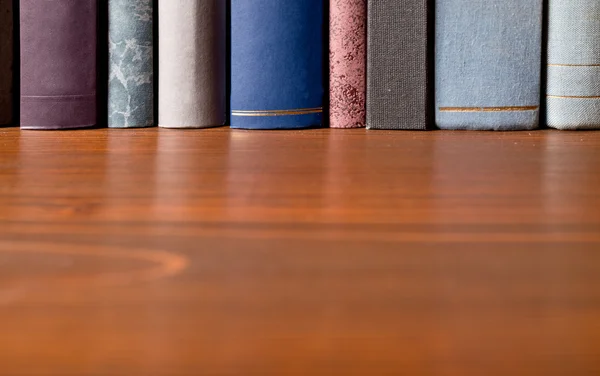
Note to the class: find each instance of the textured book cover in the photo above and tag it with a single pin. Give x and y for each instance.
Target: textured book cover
(347, 63)
(277, 64)
(131, 63)
(488, 64)
(397, 64)
(573, 75)
(192, 63)
(6, 62)
(58, 64)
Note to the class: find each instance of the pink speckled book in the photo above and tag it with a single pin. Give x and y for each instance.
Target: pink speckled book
(347, 67)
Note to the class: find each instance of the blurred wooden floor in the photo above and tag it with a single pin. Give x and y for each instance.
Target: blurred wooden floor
(322, 252)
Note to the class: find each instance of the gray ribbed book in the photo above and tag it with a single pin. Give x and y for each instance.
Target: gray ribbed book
(131, 68)
(397, 64)
(6, 62)
(192, 63)
(488, 64)
(573, 79)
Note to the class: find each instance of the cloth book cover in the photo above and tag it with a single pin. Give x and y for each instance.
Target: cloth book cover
(277, 64)
(58, 64)
(347, 63)
(192, 63)
(397, 64)
(131, 63)
(573, 75)
(6, 62)
(488, 64)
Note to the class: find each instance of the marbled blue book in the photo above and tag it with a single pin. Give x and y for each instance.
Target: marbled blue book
(131, 68)
(573, 76)
(277, 64)
(488, 64)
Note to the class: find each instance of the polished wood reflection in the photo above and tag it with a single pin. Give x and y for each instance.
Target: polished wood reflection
(319, 252)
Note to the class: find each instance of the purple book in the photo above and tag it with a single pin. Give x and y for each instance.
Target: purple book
(58, 64)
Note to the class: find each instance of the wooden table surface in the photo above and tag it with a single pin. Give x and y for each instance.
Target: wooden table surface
(319, 252)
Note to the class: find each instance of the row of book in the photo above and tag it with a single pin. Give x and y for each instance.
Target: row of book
(265, 64)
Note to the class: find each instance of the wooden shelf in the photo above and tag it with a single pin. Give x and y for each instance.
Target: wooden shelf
(319, 252)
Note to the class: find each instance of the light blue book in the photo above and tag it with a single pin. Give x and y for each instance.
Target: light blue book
(573, 78)
(488, 64)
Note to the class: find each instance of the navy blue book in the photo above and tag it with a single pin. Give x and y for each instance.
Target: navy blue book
(277, 62)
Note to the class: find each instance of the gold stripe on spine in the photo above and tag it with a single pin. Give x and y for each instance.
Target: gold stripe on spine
(279, 111)
(276, 114)
(574, 65)
(488, 109)
(301, 111)
(574, 96)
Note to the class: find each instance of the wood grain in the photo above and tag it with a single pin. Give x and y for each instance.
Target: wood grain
(320, 252)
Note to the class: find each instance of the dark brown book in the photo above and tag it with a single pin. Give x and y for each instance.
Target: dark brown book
(6, 61)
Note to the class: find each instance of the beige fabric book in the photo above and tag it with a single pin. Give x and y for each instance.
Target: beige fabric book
(192, 63)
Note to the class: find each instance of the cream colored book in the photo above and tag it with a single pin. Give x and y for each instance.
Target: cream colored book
(192, 63)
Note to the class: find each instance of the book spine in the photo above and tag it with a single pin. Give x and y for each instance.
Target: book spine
(573, 57)
(277, 64)
(397, 64)
(488, 64)
(192, 63)
(6, 62)
(131, 65)
(58, 64)
(347, 63)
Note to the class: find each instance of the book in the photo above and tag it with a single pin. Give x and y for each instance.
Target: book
(192, 63)
(58, 64)
(398, 64)
(277, 75)
(131, 63)
(347, 63)
(6, 62)
(488, 64)
(573, 57)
